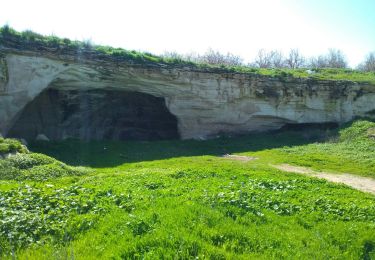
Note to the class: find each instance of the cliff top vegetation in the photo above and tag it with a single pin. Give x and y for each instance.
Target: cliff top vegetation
(211, 61)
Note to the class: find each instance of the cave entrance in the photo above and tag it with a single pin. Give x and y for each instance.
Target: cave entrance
(96, 115)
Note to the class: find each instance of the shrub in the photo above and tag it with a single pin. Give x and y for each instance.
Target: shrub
(9, 145)
(33, 166)
(27, 161)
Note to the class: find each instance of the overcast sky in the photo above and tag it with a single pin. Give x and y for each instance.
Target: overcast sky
(238, 26)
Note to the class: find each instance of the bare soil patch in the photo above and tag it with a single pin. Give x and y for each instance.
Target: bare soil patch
(365, 184)
(241, 158)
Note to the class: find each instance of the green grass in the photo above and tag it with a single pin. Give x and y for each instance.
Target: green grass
(179, 200)
(353, 151)
(31, 41)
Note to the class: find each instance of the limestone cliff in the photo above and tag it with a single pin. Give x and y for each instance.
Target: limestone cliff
(204, 102)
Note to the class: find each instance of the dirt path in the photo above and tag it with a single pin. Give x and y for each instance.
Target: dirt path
(357, 182)
(241, 158)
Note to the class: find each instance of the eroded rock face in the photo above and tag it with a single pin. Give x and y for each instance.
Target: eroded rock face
(95, 115)
(205, 103)
(3, 73)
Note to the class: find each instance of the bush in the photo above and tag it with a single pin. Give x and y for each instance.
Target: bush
(9, 145)
(45, 172)
(33, 166)
(27, 161)
(8, 171)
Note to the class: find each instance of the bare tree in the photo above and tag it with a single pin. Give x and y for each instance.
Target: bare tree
(173, 55)
(269, 59)
(86, 43)
(192, 56)
(217, 58)
(277, 59)
(336, 59)
(318, 62)
(210, 56)
(262, 60)
(333, 59)
(369, 63)
(295, 59)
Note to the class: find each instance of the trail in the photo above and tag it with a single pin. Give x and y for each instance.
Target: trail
(357, 182)
(365, 184)
(241, 158)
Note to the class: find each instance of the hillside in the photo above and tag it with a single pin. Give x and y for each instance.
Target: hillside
(181, 199)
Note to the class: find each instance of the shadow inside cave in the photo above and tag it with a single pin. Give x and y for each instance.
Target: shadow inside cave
(95, 114)
(101, 154)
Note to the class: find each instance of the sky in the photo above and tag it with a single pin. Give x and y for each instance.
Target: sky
(241, 27)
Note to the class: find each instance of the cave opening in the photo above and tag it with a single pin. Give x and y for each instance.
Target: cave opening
(95, 115)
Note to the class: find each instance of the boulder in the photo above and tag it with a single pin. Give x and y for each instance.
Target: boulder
(42, 137)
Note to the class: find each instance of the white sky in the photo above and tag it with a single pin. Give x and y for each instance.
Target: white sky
(240, 27)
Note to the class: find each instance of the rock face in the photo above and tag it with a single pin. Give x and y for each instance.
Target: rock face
(102, 98)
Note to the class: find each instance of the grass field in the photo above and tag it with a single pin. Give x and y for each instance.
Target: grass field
(180, 200)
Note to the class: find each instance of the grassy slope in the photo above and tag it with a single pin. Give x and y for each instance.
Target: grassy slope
(353, 151)
(178, 199)
(29, 40)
